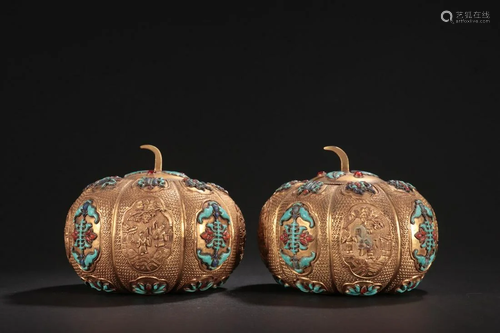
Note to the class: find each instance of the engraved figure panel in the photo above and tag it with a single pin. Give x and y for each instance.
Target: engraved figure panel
(366, 240)
(147, 234)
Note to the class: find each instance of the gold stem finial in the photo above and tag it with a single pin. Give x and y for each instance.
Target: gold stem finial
(344, 161)
(158, 160)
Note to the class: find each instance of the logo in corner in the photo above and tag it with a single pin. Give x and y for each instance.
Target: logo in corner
(447, 16)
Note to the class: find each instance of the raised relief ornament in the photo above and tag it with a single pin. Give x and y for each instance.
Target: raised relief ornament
(154, 232)
(348, 232)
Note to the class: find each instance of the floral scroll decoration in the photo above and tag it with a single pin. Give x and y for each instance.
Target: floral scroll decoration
(280, 281)
(106, 182)
(201, 185)
(286, 186)
(149, 285)
(360, 187)
(426, 235)
(150, 183)
(410, 284)
(216, 235)
(204, 284)
(99, 284)
(401, 185)
(361, 288)
(83, 235)
(310, 186)
(197, 184)
(303, 284)
(296, 238)
(308, 286)
(335, 174)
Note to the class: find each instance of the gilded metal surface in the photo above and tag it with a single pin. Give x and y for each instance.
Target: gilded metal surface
(366, 240)
(410, 284)
(99, 284)
(149, 285)
(214, 235)
(204, 283)
(361, 288)
(145, 228)
(369, 235)
(147, 234)
(298, 238)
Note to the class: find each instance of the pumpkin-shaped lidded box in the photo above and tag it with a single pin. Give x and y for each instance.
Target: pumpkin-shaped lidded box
(154, 232)
(348, 232)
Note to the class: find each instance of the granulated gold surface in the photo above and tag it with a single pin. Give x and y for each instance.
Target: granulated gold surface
(367, 235)
(154, 232)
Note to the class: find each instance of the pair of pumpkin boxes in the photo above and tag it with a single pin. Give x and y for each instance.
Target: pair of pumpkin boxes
(154, 232)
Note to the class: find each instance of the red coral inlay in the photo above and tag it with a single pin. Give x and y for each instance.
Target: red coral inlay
(420, 235)
(284, 237)
(208, 235)
(89, 236)
(306, 238)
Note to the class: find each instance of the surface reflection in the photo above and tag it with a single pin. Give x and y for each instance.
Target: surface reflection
(276, 295)
(79, 295)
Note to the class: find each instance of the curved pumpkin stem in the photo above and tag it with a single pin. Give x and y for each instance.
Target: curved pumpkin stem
(158, 158)
(344, 160)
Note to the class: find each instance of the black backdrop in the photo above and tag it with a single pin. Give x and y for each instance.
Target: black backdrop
(246, 96)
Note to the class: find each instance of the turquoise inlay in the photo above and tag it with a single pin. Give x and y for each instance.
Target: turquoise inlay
(310, 287)
(335, 174)
(147, 288)
(295, 211)
(218, 232)
(198, 184)
(420, 209)
(408, 287)
(199, 286)
(84, 235)
(280, 281)
(310, 186)
(426, 235)
(101, 286)
(366, 173)
(286, 186)
(292, 240)
(296, 264)
(401, 185)
(104, 182)
(175, 173)
(87, 209)
(206, 213)
(357, 290)
(224, 215)
(360, 187)
(151, 182)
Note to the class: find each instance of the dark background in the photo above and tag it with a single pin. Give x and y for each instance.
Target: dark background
(246, 96)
